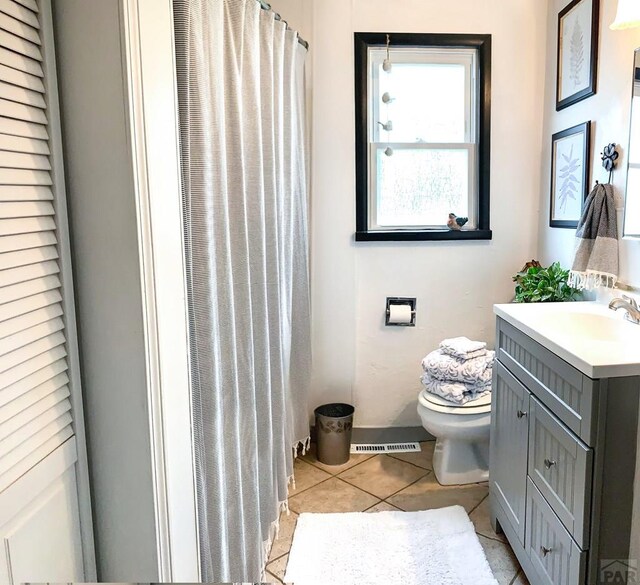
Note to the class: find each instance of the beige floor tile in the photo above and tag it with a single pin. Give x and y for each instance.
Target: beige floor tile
(279, 567)
(501, 559)
(332, 496)
(383, 507)
(427, 494)
(306, 476)
(521, 579)
(383, 475)
(480, 518)
(272, 578)
(310, 457)
(422, 459)
(282, 544)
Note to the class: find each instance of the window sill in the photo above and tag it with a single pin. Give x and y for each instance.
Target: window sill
(423, 235)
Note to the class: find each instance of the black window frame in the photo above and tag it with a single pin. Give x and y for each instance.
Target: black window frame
(480, 42)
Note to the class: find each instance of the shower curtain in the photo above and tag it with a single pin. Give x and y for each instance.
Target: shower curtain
(241, 103)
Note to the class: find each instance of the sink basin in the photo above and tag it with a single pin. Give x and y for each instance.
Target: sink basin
(590, 336)
(596, 328)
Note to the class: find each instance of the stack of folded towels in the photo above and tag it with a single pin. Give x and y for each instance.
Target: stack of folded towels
(460, 371)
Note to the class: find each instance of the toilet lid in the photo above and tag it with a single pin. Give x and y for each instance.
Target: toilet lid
(439, 404)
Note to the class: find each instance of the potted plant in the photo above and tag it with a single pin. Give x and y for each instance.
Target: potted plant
(536, 284)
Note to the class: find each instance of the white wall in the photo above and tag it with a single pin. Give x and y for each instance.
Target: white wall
(298, 14)
(356, 358)
(609, 111)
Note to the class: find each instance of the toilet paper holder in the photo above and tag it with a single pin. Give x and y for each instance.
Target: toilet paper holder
(396, 301)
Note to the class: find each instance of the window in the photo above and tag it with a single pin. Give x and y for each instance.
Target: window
(423, 135)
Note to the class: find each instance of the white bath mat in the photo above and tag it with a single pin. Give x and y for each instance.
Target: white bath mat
(436, 547)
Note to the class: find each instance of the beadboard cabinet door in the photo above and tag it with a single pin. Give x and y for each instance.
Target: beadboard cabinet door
(509, 446)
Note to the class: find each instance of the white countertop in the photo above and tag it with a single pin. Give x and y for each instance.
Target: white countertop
(591, 337)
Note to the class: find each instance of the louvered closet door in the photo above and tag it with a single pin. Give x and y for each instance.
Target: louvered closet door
(35, 408)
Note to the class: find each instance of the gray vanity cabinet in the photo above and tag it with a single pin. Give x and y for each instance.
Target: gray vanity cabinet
(556, 558)
(560, 467)
(510, 406)
(563, 455)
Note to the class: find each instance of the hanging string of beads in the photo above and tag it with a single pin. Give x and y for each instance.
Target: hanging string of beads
(386, 98)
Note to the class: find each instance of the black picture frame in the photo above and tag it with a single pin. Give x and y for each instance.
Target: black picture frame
(591, 89)
(480, 42)
(585, 154)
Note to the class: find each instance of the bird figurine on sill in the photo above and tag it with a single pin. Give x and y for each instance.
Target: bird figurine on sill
(455, 222)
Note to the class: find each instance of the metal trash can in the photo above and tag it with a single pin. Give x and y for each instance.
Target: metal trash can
(333, 433)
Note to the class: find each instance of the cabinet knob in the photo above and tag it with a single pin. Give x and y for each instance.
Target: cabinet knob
(522, 414)
(549, 463)
(545, 551)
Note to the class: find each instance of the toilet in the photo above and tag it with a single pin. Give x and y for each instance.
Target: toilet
(462, 437)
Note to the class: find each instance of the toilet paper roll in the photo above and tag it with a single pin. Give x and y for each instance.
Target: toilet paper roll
(399, 314)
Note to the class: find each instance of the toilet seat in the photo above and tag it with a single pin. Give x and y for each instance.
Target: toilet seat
(439, 404)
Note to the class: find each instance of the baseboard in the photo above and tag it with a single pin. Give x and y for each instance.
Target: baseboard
(385, 435)
(390, 435)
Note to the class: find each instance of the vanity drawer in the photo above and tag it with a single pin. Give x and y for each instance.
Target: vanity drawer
(561, 468)
(554, 555)
(568, 393)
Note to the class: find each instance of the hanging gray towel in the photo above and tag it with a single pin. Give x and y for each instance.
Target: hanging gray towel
(596, 259)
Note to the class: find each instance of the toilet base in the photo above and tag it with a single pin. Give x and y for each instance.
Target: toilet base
(460, 462)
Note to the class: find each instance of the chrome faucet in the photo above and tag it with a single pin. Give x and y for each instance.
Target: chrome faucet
(629, 305)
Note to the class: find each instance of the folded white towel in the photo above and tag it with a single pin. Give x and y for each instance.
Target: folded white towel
(463, 348)
(455, 391)
(442, 366)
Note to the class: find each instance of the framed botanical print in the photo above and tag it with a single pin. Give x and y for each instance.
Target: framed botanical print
(578, 29)
(570, 156)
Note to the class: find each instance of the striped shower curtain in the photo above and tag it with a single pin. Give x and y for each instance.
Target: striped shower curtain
(242, 111)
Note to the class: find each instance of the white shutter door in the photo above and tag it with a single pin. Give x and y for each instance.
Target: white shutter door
(35, 409)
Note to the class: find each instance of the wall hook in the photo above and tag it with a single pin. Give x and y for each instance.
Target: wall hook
(609, 157)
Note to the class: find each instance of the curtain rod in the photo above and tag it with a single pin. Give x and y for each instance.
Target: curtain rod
(266, 6)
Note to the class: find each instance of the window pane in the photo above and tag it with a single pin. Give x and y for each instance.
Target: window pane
(421, 187)
(428, 103)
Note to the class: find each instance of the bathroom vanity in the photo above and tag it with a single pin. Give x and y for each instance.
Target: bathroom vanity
(563, 440)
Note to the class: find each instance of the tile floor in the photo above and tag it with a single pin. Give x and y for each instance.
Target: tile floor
(376, 483)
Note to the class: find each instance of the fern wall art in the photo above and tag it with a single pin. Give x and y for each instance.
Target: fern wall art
(578, 26)
(569, 174)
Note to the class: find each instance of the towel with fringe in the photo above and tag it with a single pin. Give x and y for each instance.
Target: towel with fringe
(596, 258)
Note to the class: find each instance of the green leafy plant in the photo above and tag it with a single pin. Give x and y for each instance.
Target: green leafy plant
(544, 285)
